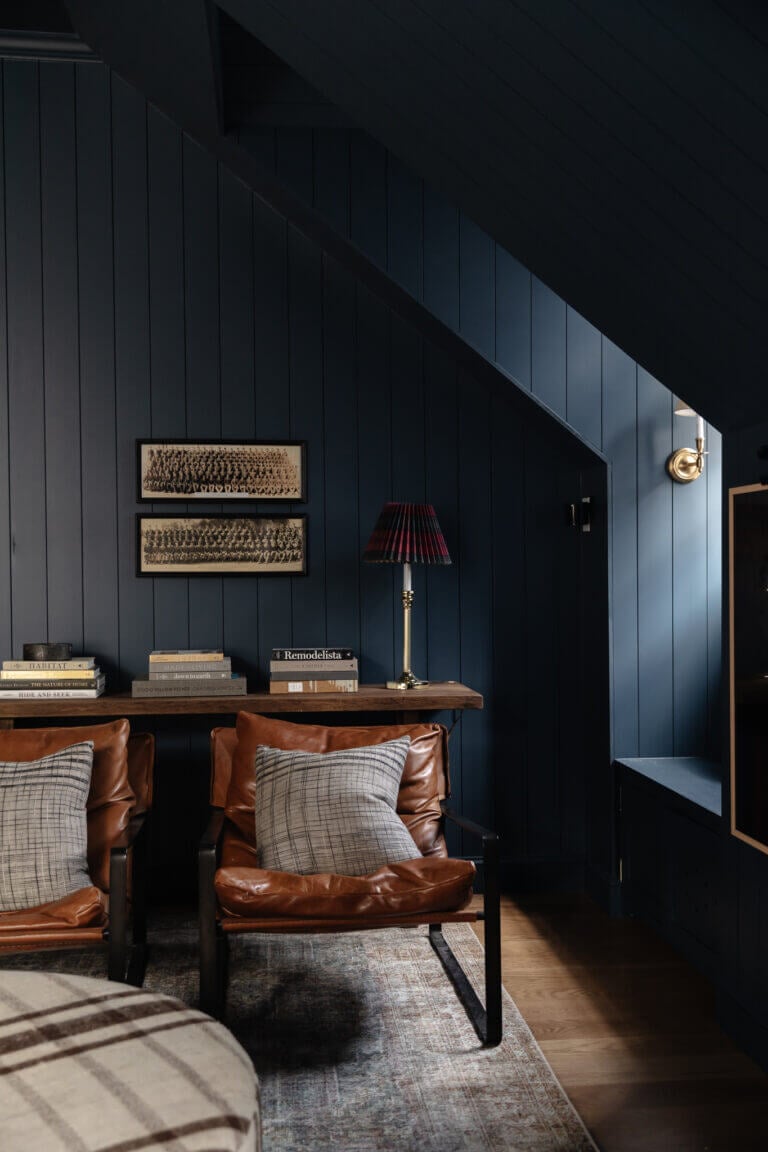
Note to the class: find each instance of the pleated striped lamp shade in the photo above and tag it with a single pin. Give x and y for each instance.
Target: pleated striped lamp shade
(407, 534)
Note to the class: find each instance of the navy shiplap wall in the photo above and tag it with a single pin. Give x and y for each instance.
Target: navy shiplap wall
(146, 292)
(665, 560)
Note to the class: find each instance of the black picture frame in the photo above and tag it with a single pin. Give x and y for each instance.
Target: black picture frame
(221, 544)
(219, 470)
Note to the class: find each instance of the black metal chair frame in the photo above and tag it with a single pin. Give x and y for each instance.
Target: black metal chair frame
(487, 1021)
(127, 955)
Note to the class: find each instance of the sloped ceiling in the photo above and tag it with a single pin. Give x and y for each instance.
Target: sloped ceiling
(618, 150)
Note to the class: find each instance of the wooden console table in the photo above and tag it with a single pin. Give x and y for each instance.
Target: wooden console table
(448, 695)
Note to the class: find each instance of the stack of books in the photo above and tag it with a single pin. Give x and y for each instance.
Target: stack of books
(312, 670)
(77, 678)
(189, 672)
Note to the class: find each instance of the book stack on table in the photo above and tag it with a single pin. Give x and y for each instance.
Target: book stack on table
(312, 670)
(75, 678)
(189, 672)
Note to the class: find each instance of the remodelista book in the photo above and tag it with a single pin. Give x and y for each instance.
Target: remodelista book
(234, 686)
(168, 655)
(76, 663)
(312, 654)
(301, 672)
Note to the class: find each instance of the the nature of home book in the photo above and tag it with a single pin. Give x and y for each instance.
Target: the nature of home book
(169, 655)
(337, 667)
(76, 663)
(312, 654)
(285, 687)
(198, 667)
(233, 686)
(9, 685)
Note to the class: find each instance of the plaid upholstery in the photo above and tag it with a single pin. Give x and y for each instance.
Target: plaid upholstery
(331, 811)
(43, 829)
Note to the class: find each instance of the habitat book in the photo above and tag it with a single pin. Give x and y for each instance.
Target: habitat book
(312, 654)
(338, 667)
(285, 687)
(48, 674)
(9, 685)
(77, 663)
(234, 686)
(168, 655)
(52, 693)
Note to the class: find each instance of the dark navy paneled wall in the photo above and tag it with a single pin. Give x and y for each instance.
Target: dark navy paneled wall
(147, 292)
(665, 555)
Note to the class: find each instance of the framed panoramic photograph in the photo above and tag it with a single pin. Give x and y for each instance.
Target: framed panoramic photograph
(221, 469)
(221, 545)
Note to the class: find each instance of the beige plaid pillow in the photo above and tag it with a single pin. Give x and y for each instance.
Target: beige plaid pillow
(331, 811)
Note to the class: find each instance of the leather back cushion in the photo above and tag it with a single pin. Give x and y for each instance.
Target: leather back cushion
(111, 797)
(424, 781)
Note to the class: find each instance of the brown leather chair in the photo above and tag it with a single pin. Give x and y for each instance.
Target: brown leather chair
(119, 802)
(236, 895)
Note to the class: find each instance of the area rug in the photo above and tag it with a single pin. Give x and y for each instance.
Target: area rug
(361, 1045)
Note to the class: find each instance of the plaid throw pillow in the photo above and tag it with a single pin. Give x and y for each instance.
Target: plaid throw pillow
(43, 831)
(331, 811)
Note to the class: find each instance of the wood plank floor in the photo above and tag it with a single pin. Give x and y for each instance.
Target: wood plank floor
(629, 1028)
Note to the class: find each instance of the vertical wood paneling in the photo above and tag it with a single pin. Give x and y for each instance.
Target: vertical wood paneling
(331, 176)
(368, 197)
(404, 199)
(6, 642)
(714, 473)
(62, 384)
(26, 407)
(476, 590)
(377, 581)
(201, 267)
(477, 282)
(272, 395)
(238, 400)
(97, 367)
(654, 569)
(305, 304)
(294, 160)
(343, 562)
(548, 342)
(132, 407)
(689, 591)
(167, 358)
(441, 258)
(513, 317)
(584, 378)
(620, 444)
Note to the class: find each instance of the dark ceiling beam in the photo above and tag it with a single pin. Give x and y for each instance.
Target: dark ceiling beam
(43, 46)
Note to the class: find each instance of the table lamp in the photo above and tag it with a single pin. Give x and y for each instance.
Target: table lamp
(406, 534)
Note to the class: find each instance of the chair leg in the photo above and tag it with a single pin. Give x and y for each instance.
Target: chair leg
(473, 1007)
(213, 947)
(137, 959)
(118, 915)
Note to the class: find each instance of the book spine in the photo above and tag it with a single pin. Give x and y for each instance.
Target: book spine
(315, 674)
(50, 674)
(188, 675)
(191, 667)
(80, 662)
(189, 688)
(285, 687)
(52, 693)
(9, 685)
(171, 655)
(337, 667)
(312, 654)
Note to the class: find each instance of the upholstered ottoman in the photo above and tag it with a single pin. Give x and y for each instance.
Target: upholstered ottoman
(97, 1066)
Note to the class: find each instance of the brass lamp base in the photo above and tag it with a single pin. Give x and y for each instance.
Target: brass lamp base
(685, 464)
(406, 681)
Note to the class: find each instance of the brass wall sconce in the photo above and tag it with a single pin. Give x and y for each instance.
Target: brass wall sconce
(687, 464)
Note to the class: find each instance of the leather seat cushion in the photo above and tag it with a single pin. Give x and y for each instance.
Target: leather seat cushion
(413, 887)
(423, 783)
(111, 797)
(87, 906)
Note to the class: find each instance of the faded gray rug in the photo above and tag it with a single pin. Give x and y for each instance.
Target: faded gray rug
(361, 1045)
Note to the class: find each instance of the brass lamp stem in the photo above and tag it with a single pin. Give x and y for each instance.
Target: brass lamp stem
(407, 678)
